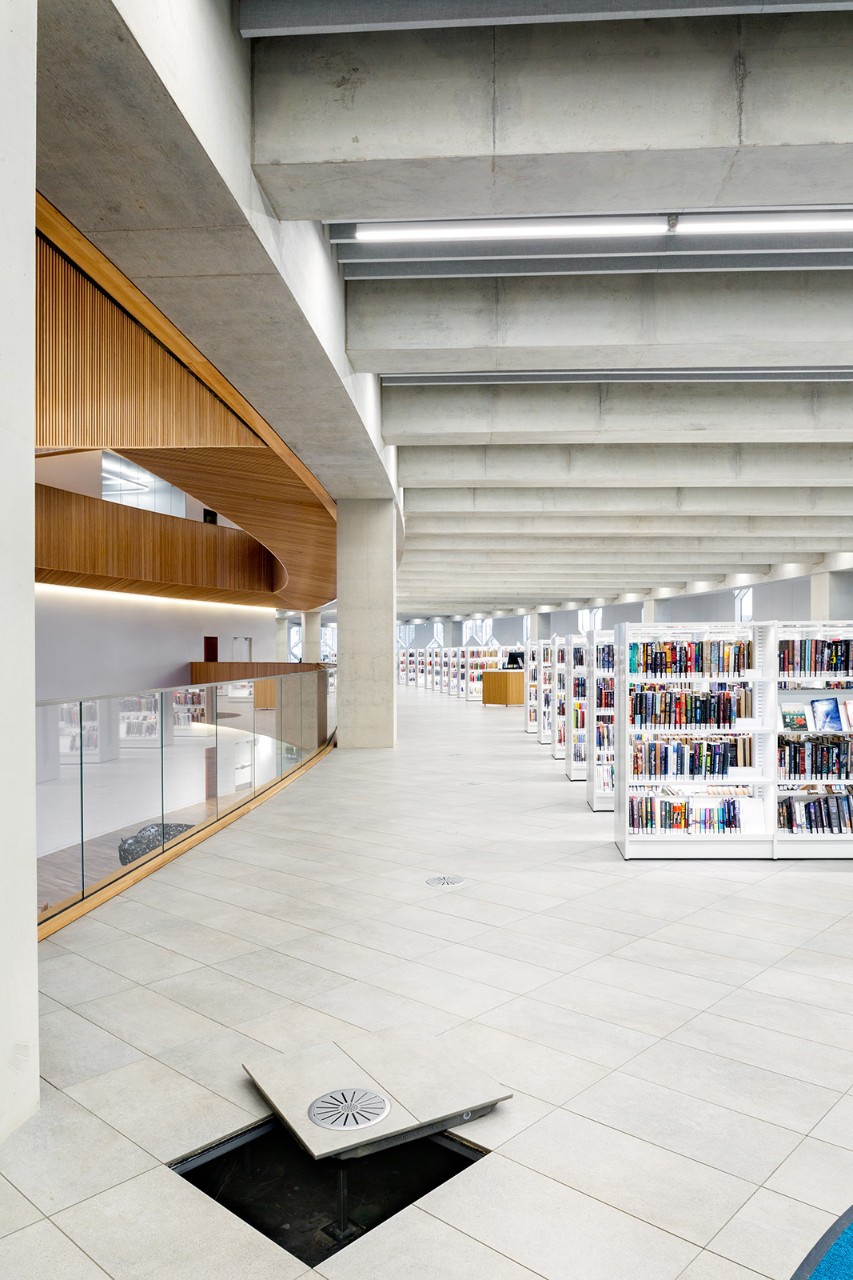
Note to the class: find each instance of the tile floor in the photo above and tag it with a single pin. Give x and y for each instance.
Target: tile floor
(679, 1038)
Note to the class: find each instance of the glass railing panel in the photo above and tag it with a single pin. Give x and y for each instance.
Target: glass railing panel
(331, 701)
(122, 784)
(267, 742)
(189, 760)
(291, 722)
(59, 832)
(235, 733)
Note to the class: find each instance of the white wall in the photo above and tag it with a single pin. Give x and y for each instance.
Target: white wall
(716, 606)
(90, 642)
(787, 600)
(19, 1076)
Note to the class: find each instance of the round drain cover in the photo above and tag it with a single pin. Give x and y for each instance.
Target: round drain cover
(349, 1109)
(438, 882)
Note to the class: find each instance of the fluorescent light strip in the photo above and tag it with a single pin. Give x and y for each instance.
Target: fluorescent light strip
(729, 224)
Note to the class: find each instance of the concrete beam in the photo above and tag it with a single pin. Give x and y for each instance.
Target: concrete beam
(264, 18)
(731, 319)
(679, 541)
(618, 413)
(557, 118)
(651, 466)
(747, 530)
(792, 502)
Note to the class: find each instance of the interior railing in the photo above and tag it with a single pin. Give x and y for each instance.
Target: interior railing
(121, 779)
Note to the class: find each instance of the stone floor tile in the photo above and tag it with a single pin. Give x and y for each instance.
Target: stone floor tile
(837, 1125)
(441, 990)
(772, 1234)
(294, 979)
(752, 927)
(159, 1109)
(71, 979)
(297, 1027)
(16, 1211)
(220, 996)
(718, 942)
(509, 1118)
(710, 1266)
(499, 971)
(375, 1009)
(825, 993)
(792, 1017)
(142, 961)
(43, 1250)
(146, 1020)
(762, 1047)
(413, 1245)
(624, 1008)
(649, 980)
(433, 923)
(194, 1238)
(592, 1039)
(215, 1061)
(529, 1068)
(817, 1173)
(550, 1222)
(341, 956)
(200, 941)
(64, 1154)
(688, 960)
(656, 1185)
(72, 1049)
(389, 938)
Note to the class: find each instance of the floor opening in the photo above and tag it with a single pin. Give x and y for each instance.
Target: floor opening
(267, 1179)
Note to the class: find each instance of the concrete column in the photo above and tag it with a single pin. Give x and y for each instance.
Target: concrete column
(311, 637)
(19, 1068)
(541, 628)
(282, 636)
(452, 635)
(367, 611)
(819, 606)
(649, 609)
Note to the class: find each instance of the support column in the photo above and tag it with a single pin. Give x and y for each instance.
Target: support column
(367, 612)
(282, 636)
(452, 635)
(311, 637)
(649, 609)
(19, 1079)
(541, 626)
(819, 585)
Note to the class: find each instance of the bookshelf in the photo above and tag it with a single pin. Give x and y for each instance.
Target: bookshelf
(559, 684)
(191, 714)
(531, 687)
(544, 706)
(411, 667)
(485, 658)
(420, 668)
(89, 728)
(600, 718)
(444, 687)
(454, 666)
(695, 739)
(433, 664)
(463, 671)
(402, 659)
(814, 742)
(576, 709)
(139, 722)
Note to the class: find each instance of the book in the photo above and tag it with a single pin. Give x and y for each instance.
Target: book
(794, 717)
(826, 715)
(848, 711)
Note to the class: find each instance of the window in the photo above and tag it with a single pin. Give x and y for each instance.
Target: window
(743, 604)
(589, 619)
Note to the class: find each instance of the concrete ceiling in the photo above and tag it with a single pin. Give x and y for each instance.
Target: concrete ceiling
(518, 494)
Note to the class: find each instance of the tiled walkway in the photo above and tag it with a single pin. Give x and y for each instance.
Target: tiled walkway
(679, 1038)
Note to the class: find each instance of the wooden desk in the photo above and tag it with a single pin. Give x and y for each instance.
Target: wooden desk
(503, 688)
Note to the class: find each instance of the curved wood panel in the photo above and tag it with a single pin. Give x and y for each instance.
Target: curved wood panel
(84, 542)
(105, 381)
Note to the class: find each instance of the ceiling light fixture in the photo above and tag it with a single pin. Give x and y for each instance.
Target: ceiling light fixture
(536, 229)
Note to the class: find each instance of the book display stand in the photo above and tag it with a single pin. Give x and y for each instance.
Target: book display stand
(545, 659)
(695, 739)
(576, 732)
(814, 745)
(402, 659)
(420, 668)
(559, 681)
(463, 669)
(444, 685)
(600, 715)
(485, 658)
(531, 687)
(433, 664)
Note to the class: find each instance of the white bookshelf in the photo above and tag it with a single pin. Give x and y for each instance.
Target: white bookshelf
(689, 787)
(402, 657)
(463, 670)
(531, 687)
(576, 708)
(484, 658)
(433, 665)
(453, 673)
(139, 722)
(411, 667)
(559, 686)
(420, 668)
(600, 718)
(814, 757)
(89, 728)
(545, 704)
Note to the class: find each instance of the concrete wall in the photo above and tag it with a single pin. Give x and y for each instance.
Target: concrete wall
(19, 1074)
(508, 630)
(784, 601)
(90, 642)
(716, 606)
(367, 614)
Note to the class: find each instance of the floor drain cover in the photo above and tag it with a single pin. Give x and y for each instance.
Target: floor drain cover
(438, 882)
(349, 1109)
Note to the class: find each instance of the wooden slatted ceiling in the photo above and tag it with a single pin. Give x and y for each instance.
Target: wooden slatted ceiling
(84, 542)
(105, 380)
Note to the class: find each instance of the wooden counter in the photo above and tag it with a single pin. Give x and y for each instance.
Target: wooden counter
(503, 688)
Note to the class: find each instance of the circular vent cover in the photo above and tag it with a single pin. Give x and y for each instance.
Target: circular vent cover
(349, 1109)
(441, 881)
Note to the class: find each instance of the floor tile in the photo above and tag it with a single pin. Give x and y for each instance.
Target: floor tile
(589, 1038)
(537, 951)
(624, 1008)
(143, 961)
(220, 996)
(199, 941)
(374, 1009)
(63, 1154)
(710, 1266)
(818, 1174)
(649, 980)
(350, 959)
(73, 979)
(772, 1234)
(215, 1061)
(728, 1140)
(389, 938)
(716, 942)
(790, 1016)
(43, 1250)
(15, 1210)
(837, 1125)
(584, 937)
(296, 1027)
(441, 990)
(761, 1047)
(534, 1069)
(658, 1186)
(509, 1118)
(494, 970)
(551, 1222)
(194, 1238)
(146, 1020)
(433, 923)
(72, 1048)
(825, 993)
(294, 979)
(690, 961)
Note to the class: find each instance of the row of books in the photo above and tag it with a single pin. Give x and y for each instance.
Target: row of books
(605, 657)
(690, 758)
(579, 687)
(561, 733)
(826, 815)
(190, 715)
(605, 694)
(651, 815)
(818, 758)
(579, 719)
(605, 737)
(141, 725)
(149, 702)
(579, 751)
(826, 716)
(700, 657)
(88, 738)
(578, 656)
(671, 708)
(815, 657)
(188, 698)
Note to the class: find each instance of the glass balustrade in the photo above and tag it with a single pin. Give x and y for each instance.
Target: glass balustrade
(122, 778)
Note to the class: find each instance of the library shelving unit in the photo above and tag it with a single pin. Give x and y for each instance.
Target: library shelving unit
(454, 668)
(193, 714)
(545, 658)
(411, 667)
(814, 746)
(444, 686)
(420, 668)
(139, 722)
(402, 661)
(695, 740)
(531, 687)
(485, 658)
(89, 728)
(559, 686)
(433, 663)
(600, 716)
(576, 709)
